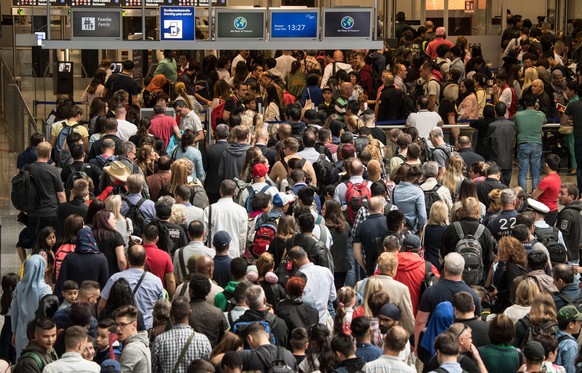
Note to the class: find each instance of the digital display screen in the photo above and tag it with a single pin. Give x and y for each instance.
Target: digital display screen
(350, 23)
(90, 24)
(242, 24)
(294, 24)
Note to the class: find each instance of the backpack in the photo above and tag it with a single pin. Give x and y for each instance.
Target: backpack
(74, 176)
(29, 354)
(549, 238)
(278, 365)
(265, 233)
(198, 195)
(429, 279)
(136, 215)
(240, 328)
(357, 195)
(447, 149)
(252, 192)
(62, 138)
(575, 302)
(531, 331)
(60, 255)
(430, 197)
(24, 195)
(470, 249)
(216, 115)
(323, 169)
(165, 241)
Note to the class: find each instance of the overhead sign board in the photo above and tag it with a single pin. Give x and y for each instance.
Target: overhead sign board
(242, 23)
(347, 23)
(96, 24)
(177, 23)
(294, 24)
(21, 3)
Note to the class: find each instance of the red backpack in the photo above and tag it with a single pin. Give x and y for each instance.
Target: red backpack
(266, 231)
(216, 115)
(357, 196)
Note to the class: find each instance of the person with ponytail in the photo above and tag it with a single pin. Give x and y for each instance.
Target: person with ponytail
(191, 101)
(346, 297)
(186, 149)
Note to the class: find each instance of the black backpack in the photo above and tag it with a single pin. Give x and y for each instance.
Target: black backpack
(278, 365)
(74, 176)
(24, 195)
(549, 238)
(470, 249)
(323, 169)
(136, 215)
(231, 303)
(165, 241)
(429, 279)
(430, 197)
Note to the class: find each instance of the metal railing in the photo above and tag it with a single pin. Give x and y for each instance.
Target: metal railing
(15, 115)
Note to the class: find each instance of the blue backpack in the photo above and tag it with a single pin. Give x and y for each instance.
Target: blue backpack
(252, 192)
(62, 138)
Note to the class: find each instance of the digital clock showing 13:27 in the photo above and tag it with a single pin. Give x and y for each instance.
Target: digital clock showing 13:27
(293, 24)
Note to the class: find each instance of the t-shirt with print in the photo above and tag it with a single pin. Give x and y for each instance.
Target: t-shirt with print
(551, 188)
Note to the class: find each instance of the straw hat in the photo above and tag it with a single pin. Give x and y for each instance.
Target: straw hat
(118, 171)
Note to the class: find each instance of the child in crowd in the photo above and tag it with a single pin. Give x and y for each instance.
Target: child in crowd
(299, 342)
(70, 292)
(7, 351)
(347, 300)
(106, 345)
(231, 362)
(45, 246)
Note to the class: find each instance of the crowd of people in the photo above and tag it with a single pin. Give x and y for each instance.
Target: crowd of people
(297, 235)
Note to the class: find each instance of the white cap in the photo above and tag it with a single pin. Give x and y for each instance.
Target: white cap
(537, 206)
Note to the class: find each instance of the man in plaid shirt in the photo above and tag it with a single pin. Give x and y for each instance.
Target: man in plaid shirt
(180, 345)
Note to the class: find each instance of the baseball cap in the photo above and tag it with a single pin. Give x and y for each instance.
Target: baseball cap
(411, 242)
(281, 199)
(260, 170)
(221, 239)
(534, 351)
(391, 310)
(537, 206)
(569, 313)
(110, 366)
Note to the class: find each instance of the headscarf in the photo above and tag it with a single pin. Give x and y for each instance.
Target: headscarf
(29, 289)
(86, 243)
(440, 320)
(157, 84)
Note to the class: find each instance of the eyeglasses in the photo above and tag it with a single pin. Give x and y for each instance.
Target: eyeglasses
(465, 327)
(123, 324)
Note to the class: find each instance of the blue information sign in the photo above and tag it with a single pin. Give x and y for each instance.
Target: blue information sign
(294, 24)
(177, 23)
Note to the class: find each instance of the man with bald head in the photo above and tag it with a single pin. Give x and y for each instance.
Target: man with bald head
(543, 100)
(261, 143)
(336, 65)
(205, 266)
(391, 105)
(430, 34)
(356, 171)
(341, 104)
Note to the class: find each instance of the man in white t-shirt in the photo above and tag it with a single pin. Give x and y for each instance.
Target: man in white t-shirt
(424, 121)
(189, 120)
(284, 62)
(125, 129)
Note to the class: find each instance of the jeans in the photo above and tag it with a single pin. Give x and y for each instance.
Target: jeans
(529, 156)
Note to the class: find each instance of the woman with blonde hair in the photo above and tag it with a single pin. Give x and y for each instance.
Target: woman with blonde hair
(122, 224)
(432, 233)
(181, 175)
(495, 205)
(453, 176)
(542, 315)
(513, 255)
(354, 123)
(529, 76)
(371, 285)
(524, 296)
(179, 214)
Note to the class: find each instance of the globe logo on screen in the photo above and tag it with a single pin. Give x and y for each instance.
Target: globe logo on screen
(347, 22)
(240, 23)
